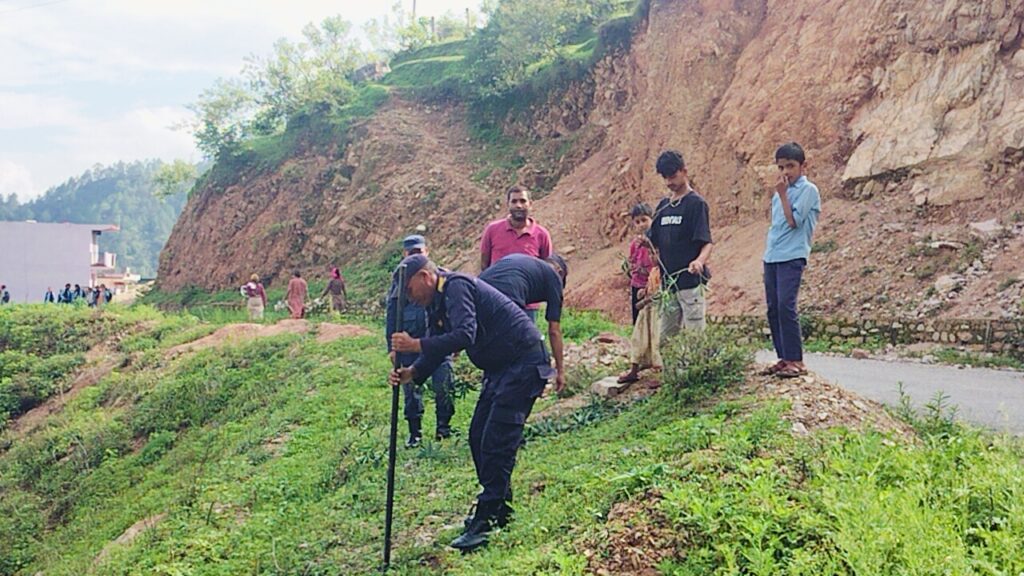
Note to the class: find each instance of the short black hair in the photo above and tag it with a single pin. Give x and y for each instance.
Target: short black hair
(297, 274)
(514, 189)
(641, 209)
(563, 268)
(670, 162)
(790, 151)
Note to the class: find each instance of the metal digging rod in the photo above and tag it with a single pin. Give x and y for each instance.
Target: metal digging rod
(392, 447)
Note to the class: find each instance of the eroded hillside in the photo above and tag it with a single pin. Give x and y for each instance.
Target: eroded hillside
(909, 110)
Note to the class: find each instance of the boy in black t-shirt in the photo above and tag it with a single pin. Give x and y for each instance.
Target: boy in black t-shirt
(681, 234)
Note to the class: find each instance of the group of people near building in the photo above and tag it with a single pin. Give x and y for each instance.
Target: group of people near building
(492, 316)
(93, 297)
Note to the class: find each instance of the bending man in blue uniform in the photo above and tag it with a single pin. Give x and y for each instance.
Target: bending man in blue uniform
(414, 323)
(528, 280)
(501, 340)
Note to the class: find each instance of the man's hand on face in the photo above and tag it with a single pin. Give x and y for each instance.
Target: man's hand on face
(783, 184)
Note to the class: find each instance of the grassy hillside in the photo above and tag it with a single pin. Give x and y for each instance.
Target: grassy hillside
(269, 457)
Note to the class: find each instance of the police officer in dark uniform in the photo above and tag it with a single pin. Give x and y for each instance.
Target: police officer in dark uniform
(414, 323)
(528, 280)
(499, 338)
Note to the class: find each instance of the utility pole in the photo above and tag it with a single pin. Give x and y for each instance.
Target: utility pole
(413, 10)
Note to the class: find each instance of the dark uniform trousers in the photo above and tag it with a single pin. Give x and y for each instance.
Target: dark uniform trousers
(444, 389)
(496, 430)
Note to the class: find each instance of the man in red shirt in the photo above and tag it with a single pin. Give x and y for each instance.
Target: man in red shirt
(517, 233)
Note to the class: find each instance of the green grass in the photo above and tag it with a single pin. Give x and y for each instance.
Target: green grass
(977, 359)
(269, 457)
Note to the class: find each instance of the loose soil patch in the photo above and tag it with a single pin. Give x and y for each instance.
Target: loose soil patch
(241, 332)
(129, 535)
(330, 332)
(816, 404)
(635, 539)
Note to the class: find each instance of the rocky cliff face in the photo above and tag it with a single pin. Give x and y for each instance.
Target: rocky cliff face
(910, 111)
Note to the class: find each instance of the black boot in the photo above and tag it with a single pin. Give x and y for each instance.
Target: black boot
(414, 433)
(479, 527)
(444, 431)
(503, 517)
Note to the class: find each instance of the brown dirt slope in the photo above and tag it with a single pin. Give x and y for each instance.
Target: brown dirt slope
(408, 166)
(910, 112)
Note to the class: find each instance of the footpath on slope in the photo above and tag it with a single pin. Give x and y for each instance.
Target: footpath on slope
(101, 360)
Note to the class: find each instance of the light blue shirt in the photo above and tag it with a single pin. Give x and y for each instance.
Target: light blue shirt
(785, 243)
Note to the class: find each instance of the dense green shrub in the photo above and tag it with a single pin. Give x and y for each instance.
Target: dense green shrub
(700, 363)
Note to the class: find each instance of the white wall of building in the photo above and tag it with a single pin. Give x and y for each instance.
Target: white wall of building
(34, 256)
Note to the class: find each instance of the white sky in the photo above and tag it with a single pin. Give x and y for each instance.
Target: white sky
(87, 81)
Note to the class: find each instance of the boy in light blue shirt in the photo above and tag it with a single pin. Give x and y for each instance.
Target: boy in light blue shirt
(796, 205)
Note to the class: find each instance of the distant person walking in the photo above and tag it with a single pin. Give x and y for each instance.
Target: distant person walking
(298, 291)
(102, 296)
(49, 298)
(796, 205)
(77, 293)
(255, 297)
(5, 296)
(681, 235)
(517, 233)
(64, 297)
(336, 288)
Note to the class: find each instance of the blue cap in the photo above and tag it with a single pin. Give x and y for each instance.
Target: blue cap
(413, 264)
(413, 242)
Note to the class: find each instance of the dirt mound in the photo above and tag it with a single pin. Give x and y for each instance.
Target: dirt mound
(328, 332)
(242, 332)
(817, 404)
(634, 540)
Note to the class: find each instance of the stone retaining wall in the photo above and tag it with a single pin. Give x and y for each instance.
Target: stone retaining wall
(1005, 336)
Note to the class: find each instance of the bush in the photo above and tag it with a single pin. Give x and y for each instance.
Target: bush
(21, 522)
(699, 364)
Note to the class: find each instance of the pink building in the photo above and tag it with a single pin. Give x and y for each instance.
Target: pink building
(34, 256)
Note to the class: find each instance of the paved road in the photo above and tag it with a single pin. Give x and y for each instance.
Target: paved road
(990, 398)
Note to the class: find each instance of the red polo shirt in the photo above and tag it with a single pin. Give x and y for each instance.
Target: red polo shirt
(500, 239)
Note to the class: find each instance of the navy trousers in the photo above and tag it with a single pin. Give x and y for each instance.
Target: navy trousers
(781, 287)
(444, 390)
(496, 430)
